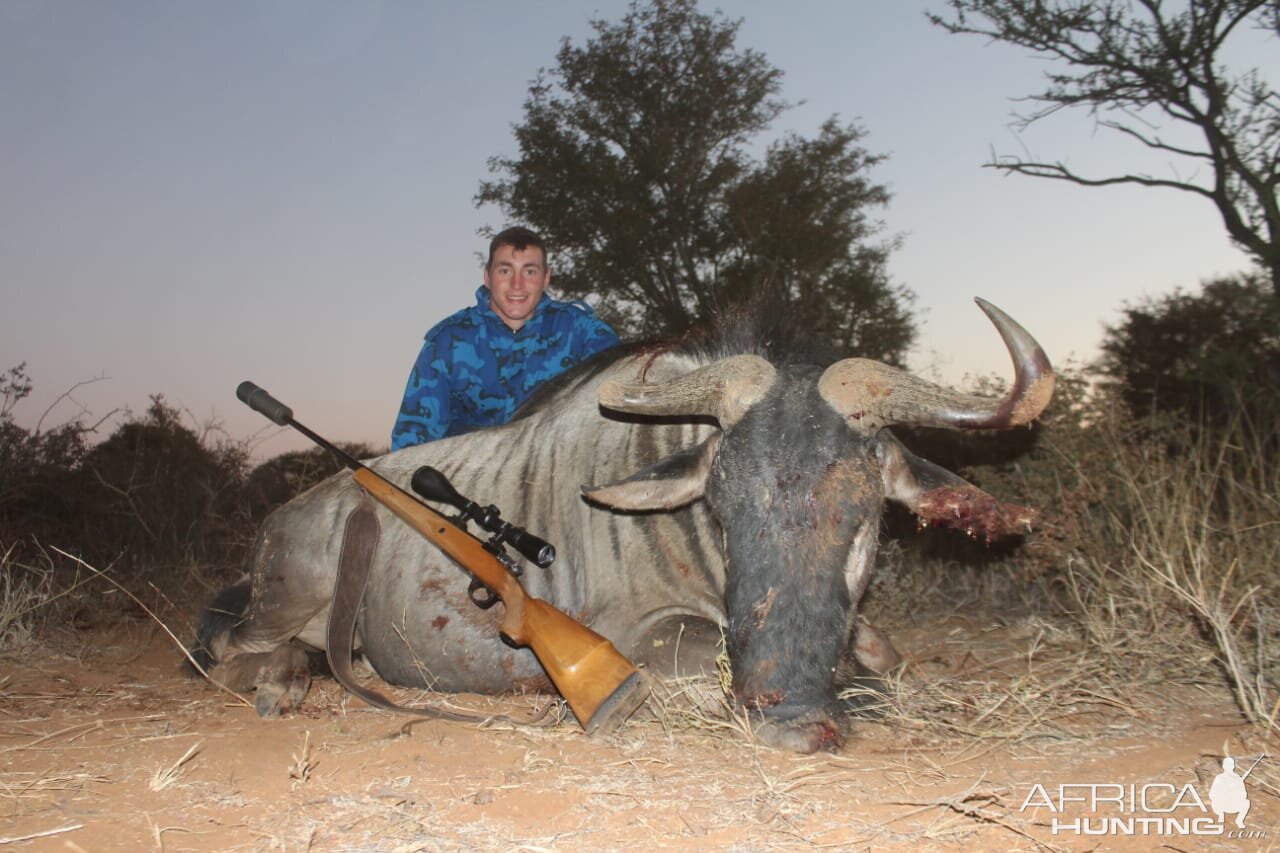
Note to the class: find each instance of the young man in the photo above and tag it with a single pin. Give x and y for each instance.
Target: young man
(477, 366)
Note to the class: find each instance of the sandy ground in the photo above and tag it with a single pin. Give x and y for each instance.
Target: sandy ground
(106, 745)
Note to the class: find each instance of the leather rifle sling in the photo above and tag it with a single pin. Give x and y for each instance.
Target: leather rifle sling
(359, 541)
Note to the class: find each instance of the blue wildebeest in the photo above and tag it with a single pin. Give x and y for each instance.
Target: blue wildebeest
(732, 488)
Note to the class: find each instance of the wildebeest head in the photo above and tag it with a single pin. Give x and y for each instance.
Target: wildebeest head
(796, 477)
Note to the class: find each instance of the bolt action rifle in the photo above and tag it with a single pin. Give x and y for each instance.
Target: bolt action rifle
(599, 684)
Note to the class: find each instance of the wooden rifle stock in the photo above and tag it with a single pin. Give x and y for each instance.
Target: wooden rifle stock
(601, 686)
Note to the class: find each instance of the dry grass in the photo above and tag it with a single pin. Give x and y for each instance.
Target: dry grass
(303, 764)
(1173, 569)
(687, 773)
(25, 590)
(168, 776)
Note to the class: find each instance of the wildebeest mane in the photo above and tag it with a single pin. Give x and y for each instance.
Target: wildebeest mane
(757, 327)
(580, 373)
(750, 328)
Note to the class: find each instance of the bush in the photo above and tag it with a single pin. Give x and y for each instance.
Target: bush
(157, 495)
(38, 487)
(1204, 359)
(283, 477)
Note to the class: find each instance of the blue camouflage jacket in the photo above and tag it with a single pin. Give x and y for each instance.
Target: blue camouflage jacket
(473, 371)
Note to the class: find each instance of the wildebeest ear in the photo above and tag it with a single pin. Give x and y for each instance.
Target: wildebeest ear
(679, 479)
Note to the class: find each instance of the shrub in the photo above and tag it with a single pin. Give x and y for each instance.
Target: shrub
(157, 494)
(283, 477)
(1205, 359)
(38, 487)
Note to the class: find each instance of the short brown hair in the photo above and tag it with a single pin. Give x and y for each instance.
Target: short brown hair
(518, 238)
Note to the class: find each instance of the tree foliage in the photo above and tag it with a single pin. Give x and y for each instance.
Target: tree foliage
(1151, 73)
(634, 164)
(1205, 357)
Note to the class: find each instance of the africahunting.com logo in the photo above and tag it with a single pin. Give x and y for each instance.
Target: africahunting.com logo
(1154, 808)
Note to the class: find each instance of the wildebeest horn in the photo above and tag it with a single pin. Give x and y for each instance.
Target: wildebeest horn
(874, 394)
(724, 389)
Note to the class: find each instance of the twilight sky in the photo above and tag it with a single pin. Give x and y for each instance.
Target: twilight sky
(196, 193)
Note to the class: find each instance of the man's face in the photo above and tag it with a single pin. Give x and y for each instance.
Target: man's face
(516, 280)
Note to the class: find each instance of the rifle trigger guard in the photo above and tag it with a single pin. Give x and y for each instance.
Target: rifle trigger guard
(481, 596)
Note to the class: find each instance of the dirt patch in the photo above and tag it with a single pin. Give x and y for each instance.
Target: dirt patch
(109, 746)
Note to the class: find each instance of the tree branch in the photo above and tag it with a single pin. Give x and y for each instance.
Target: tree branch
(84, 410)
(1138, 57)
(1057, 171)
(1156, 142)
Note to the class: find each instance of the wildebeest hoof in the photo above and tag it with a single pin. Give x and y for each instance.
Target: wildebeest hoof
(280, 677)
(275, 700)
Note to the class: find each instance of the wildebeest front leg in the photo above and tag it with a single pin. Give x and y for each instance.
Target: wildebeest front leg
(941, 498)
(251, 641)
(259, 634)
(280, 677)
